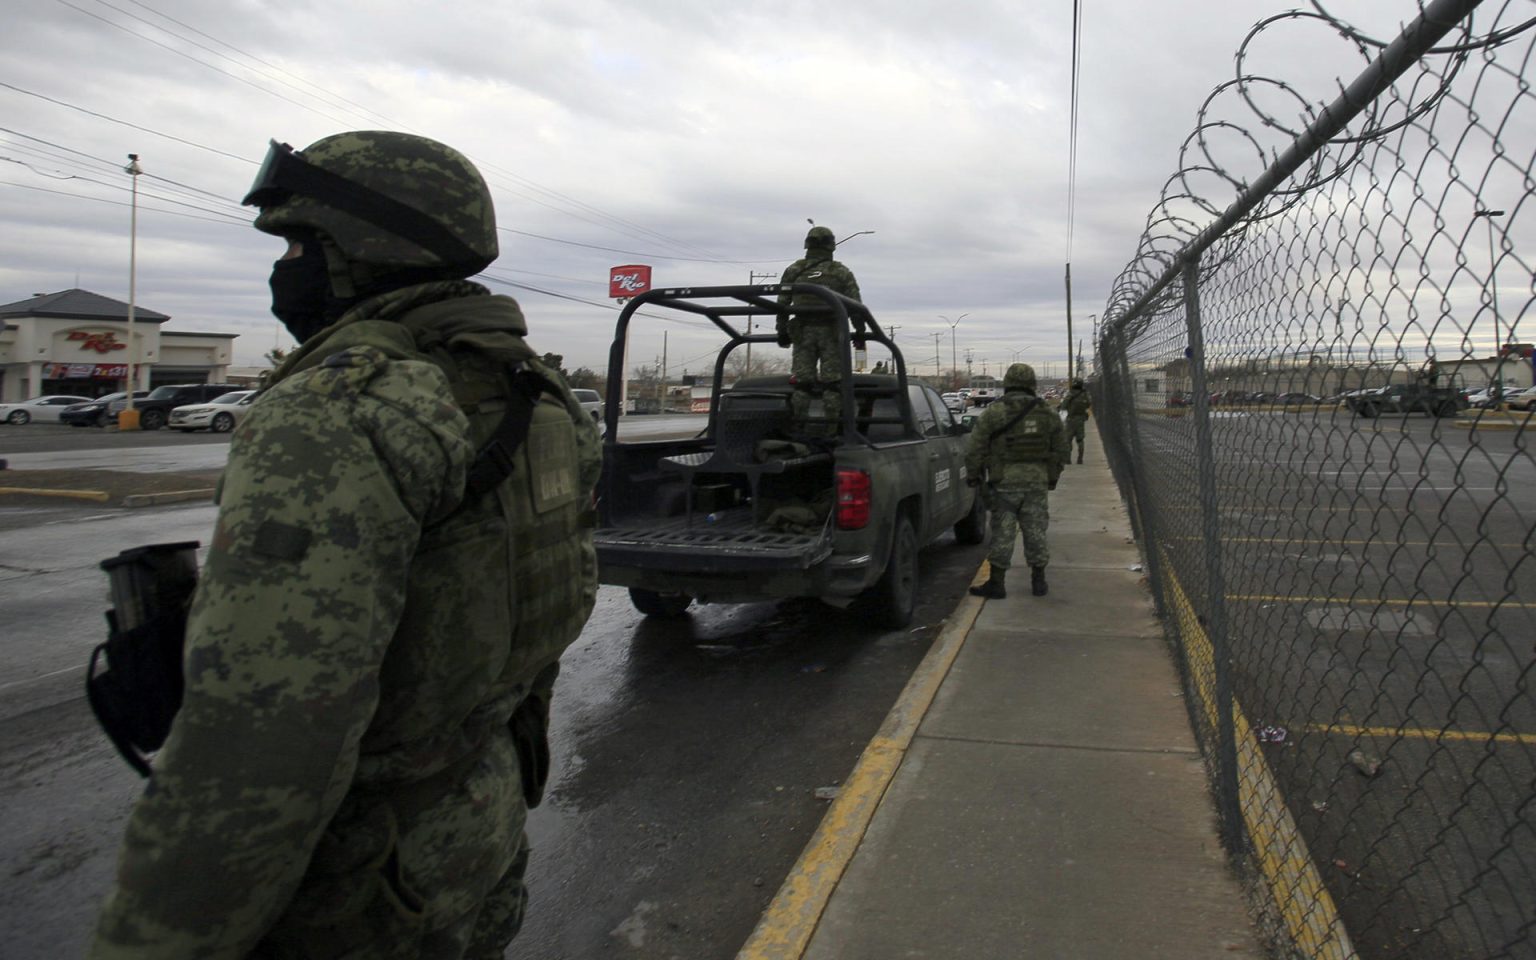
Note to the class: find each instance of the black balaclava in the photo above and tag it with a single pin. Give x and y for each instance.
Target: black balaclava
(301, 288)
(301, 292)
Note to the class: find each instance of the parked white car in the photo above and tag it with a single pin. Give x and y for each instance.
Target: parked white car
(591, 401)
(954, 402)
(1518, 399)
(218, 415)
(44, 409)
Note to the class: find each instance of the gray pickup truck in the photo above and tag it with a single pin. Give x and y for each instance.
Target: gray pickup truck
(762, 505)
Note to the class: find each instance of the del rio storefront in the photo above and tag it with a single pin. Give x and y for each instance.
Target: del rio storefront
(77, 342)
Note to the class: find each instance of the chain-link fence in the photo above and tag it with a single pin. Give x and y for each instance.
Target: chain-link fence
(1343, 548)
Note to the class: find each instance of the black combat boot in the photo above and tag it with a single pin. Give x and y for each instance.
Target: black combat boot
(1079, 454)
(993, 588)
(1037, 581)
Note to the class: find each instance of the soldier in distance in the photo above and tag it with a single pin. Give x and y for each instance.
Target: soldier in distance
(1078, 405)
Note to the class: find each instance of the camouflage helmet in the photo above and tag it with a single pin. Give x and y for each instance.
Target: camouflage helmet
(1020, 376)
(822, 238)
(386, 200)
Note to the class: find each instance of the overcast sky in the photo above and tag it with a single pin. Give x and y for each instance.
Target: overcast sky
(692, 135)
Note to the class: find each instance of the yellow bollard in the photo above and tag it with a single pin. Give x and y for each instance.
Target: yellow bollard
(128, 420)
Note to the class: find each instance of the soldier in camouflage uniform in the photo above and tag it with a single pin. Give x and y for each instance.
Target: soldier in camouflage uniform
(816, 363)
(1018, 448)
(376, 633)
(1078, 405)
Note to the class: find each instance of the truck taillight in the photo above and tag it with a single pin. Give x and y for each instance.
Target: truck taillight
(852, 499)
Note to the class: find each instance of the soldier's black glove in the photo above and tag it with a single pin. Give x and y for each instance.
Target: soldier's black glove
(783, 337)
(1052, 485)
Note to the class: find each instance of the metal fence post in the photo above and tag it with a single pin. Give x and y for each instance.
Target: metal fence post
(1215, 620)
(1149, 528)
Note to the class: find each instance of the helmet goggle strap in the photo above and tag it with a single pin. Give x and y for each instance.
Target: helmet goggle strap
(285, 172)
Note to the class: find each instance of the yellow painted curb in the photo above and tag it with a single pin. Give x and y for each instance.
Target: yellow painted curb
(785, 929)
(1306, 907)
(99, 496)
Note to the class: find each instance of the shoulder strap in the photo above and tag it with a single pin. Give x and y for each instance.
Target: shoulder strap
(1032, 404)
(495, 461)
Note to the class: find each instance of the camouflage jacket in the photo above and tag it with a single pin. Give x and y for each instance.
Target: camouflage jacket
(1077, 404)
(358, 642)
(1034, 441)
(817, 267)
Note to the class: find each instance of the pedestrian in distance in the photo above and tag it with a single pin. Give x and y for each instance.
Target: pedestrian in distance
(1078, 406)
(401, 555)
(1017, 451)
(816, 362)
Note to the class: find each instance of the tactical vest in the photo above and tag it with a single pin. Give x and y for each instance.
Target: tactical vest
(516, 562)
(1077, 404)
(830, 277)
(1028, 439)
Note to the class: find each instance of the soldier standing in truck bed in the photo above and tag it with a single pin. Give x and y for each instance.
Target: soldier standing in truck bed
(816, 363)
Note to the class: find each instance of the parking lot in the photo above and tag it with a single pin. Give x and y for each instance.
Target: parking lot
(1380, 599)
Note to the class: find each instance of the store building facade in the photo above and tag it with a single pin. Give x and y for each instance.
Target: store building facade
(78, 342)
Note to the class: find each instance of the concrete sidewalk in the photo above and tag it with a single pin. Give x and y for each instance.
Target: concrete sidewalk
(1048, 800)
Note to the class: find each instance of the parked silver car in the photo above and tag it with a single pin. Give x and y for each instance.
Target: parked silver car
(45, 408)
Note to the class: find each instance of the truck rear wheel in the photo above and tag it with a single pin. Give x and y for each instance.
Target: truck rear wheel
(1447, 408)
(972, 528)
(892, 600)
(1368, 410)
(653, 604)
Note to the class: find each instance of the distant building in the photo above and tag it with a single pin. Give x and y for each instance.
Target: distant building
(76, 342)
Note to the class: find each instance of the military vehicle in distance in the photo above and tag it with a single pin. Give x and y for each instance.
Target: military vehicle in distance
(763, 505)
(1419, 396)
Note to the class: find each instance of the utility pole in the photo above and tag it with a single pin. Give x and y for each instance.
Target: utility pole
(131, 420)
(661, 390)
(752, 278)
(969, 355)
(936, 337)
(954, 365)
(1493, 282)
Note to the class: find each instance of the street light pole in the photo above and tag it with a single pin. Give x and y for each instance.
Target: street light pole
(954, 363)
(131, 421)
(852, 235)
(1493, 284)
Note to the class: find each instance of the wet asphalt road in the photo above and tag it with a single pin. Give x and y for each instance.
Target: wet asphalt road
(688, 752)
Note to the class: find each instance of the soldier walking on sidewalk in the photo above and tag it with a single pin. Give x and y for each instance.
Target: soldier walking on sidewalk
(1078, 405)
(1018, 449)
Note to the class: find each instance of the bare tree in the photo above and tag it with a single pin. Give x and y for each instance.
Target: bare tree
(764, 363)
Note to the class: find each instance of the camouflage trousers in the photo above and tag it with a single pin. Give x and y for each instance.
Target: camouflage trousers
(1075, 432)
(1020, 507)
(815, 362)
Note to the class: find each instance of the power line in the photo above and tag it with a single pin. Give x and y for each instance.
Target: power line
(115, 203)
(203, 63)
(1077, 16)
(608, 220)
(125, 123)
(627, 253)
(683, 321)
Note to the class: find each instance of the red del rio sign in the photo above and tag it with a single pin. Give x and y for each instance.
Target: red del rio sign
(629, 281)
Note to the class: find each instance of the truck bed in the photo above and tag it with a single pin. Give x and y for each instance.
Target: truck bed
(698, 545)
